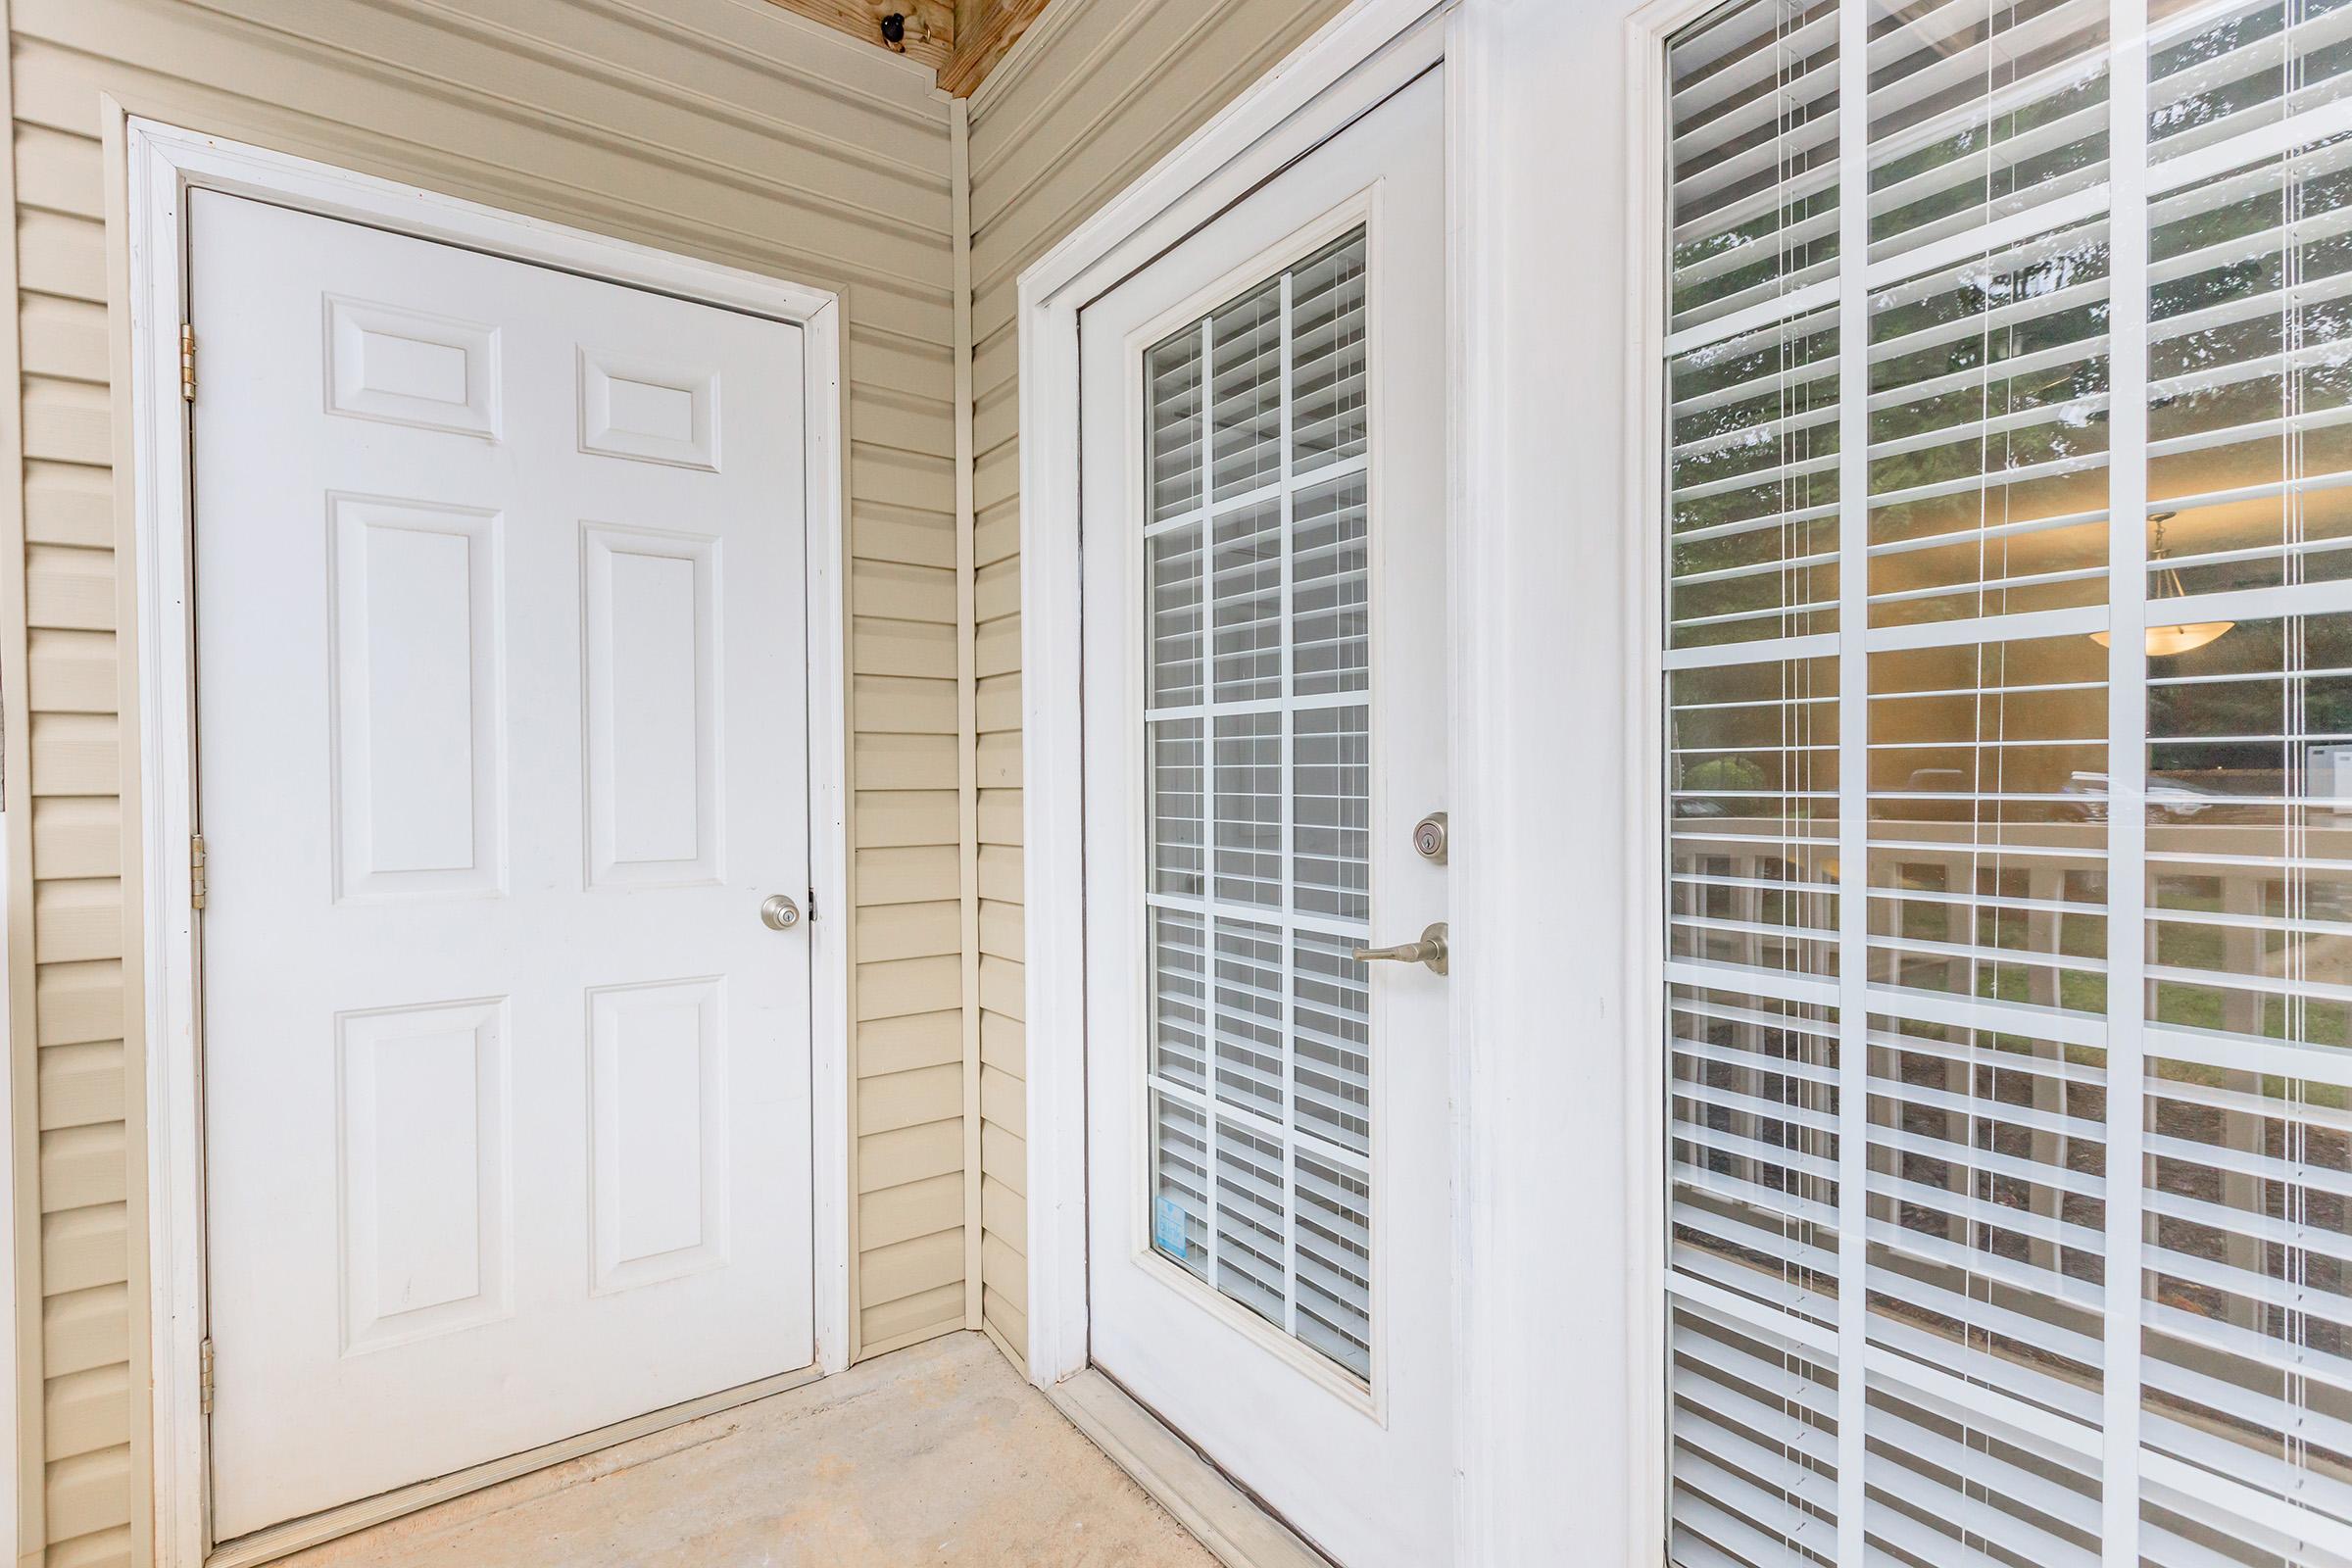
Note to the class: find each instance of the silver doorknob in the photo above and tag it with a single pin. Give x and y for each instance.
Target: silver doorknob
(1429, 949)
(779, 913)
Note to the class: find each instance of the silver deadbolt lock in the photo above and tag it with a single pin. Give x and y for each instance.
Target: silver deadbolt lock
(1429, 838)
(779, 913)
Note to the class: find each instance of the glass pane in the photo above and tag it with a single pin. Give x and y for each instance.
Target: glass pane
(2218, 70)
(1248, 610)
(1753, 485)
(1988, 899)
(1754, 1139)
(1939, 1488)
(1329, 585)
(1328, 405)
(1178, 798)
(1754, 146)
(1982, 109)
(2247, 1239)
(1172, 392)
(1257, 735)
(1173, 569)
(1754, 1430)
(1251, 1208)
(1246, 351)
(1753, 815)
(2250, 377)
(1988, 434)
(1332, 1260)
(1180, 1182)
(2249, 1090)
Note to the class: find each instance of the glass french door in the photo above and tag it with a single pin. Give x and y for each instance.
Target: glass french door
(2007, 685)
(1264, 480)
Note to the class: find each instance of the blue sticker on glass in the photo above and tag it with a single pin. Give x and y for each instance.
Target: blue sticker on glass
(1167, 1227)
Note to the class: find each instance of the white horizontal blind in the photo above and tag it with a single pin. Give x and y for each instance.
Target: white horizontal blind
(1257, 741)
(1981, 109)
(2009, 961)
(1755, 149)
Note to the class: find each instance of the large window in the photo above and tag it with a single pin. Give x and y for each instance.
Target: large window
(2008, 715)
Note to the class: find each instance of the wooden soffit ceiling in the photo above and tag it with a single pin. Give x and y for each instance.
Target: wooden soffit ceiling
(960, 40)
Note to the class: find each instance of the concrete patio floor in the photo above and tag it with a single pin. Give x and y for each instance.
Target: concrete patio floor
(935, 1454)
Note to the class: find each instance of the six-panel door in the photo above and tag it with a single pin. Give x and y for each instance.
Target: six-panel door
(501, 703)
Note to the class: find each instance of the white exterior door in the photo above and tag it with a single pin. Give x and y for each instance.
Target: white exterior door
(1266, 562)
(502, 742)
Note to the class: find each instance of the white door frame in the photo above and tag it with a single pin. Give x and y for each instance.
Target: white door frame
(1551, 1415)
(165, 163)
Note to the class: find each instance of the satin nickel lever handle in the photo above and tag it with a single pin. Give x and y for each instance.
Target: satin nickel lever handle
(1429, 949)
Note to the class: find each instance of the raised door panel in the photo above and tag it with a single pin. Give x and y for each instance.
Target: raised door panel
(637, 408)
(418, 742)
(423, 1137)
(407, 366)
(660, 1130)
(653, 698)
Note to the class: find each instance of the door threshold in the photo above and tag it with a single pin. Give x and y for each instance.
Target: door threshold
(1237, 1528)
(317, 1529)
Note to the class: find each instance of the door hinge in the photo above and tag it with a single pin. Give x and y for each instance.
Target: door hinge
(187, 363)
(196, 870)
(204, 1376)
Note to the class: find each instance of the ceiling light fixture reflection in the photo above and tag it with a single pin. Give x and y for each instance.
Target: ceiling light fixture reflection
(2164, 642)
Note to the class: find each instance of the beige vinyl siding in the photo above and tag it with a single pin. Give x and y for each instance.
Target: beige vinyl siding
(723, 129)
(1096, 93)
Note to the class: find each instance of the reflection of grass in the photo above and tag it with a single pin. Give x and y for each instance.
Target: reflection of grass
(2327, 1097)
(2322, 1022)
(2188, 946)
(2204, 1007)
(2190, 1007)
(2082, 936)
(2000, 982)
(2271, 1086)
(2083, 993)
(2192, 893)
(2188, 1072)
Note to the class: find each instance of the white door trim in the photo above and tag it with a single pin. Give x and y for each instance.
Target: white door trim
(1541, 1072)
(164, 165)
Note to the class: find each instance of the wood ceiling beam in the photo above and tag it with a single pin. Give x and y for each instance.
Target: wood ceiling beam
(960, 40)
(930, 23)
(984, 31)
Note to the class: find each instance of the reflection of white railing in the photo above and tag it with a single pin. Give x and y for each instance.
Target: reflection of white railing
(2243, 915)
(1987, 1154)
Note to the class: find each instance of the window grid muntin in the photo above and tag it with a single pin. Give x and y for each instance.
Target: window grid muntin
(1236, 885)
